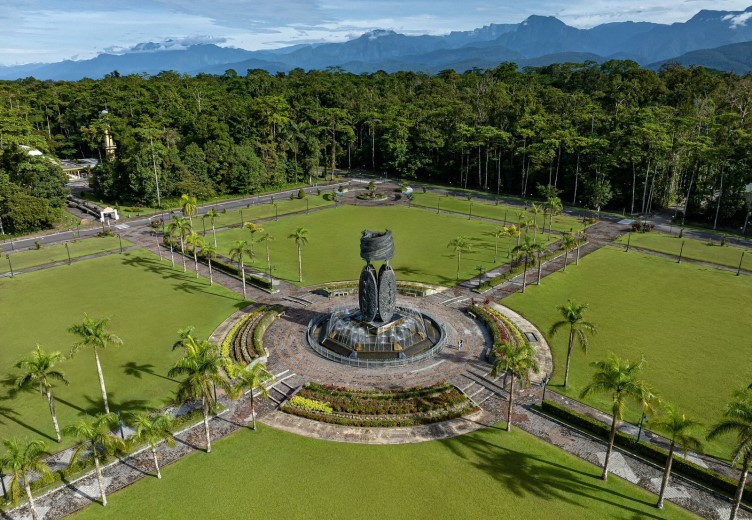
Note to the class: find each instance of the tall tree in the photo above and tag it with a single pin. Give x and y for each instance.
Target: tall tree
(97, 439)
(568, 243)
(517, 360)
(573, 315)
(180, 227)
(203, 368)
(251, 378)
(266, 238)
(679, 428)
(94, 334)
(21, 459)
(189, 207)
(738, 420)
(212, 216)
(526, 250)
(460, 245)
(195, 241)
(620, 378)
(153, 429)
(210, 253)
(253, 228)
(238, 252)
(39, 370)
(300, 236)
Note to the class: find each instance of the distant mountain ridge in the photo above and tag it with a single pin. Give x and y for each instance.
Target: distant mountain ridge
(716, 39)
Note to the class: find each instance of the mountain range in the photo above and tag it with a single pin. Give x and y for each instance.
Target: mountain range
(715, 39)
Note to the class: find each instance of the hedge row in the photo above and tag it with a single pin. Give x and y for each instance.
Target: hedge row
(363, 404)
(235, 343)
(260, 329)
(232, 270)
(378, 422)
(499, 334)
(653, 453)
(508, 326)
(389, 393)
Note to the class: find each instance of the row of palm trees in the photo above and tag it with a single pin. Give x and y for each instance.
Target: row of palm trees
(203, 368)
(529, 251)
(621, 380)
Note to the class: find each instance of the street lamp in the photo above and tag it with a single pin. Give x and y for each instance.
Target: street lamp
(639, 431)
(544, 384)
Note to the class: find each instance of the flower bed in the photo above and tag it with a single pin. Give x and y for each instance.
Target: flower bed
(379, 408)
(244, 342)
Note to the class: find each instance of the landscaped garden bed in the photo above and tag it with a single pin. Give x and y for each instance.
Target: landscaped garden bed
(385, 408)
(245, 341)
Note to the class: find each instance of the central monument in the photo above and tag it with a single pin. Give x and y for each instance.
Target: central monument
(377, 294)
(378, 330)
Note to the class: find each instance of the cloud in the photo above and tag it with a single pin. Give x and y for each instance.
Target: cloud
(170, 44)
(739, 20)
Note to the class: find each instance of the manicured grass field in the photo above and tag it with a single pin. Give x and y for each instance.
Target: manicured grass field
(58, 253)
(147, 302)
(694, 249)
(333, 250)
(491, 211)
(265, 210)
(693, 324)
(488, 474)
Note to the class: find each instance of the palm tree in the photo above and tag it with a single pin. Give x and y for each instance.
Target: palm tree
(266, 238)
(581, 239)
(152, 430)
(203, 368)
(460, 245)
(251, 378)
(94, 334)
(738, 419)
(679, 428)
(21, 459)
(39, 369)
(96, 436)
(497, 234)
(189, 207)
(194, 241)
(210, 253)
(620, 378)
(239, 251)
(574, 316)
(517, 361)
(213, 214)
(181, 227)
(568, 243)
(536, 210)
(554, 207)
(301, 238)
(253, 228)
(538, 249)
(511, 231)
(527, 251)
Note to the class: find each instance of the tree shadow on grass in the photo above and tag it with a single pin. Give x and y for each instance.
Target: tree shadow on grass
(132, 368)
(11, 415)
(524, 474)
(95, 406)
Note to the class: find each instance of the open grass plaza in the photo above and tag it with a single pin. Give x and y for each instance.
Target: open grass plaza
(365, 349)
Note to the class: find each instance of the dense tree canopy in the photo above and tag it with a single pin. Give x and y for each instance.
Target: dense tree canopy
(612, 135)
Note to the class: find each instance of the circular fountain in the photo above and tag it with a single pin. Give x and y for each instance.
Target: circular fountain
(378, 331)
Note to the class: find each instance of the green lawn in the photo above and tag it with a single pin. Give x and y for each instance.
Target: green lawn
(692, 323)
(488, 474)
(333, 250)
(266, 210)
(147, 302)
(501, 212)
(694, 249)
(58, 253)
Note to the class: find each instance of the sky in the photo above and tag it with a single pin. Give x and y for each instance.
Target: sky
(33, 31)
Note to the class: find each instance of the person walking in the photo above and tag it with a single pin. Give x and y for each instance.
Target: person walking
(459, 345)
